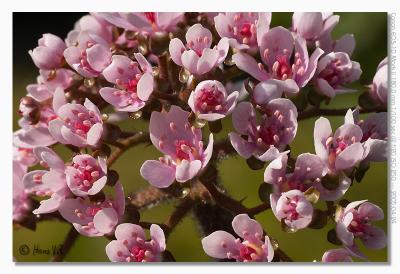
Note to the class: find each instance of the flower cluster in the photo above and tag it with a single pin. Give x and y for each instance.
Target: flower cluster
(190, 75)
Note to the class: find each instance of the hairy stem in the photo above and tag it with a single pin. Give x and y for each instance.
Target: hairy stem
(127, 143)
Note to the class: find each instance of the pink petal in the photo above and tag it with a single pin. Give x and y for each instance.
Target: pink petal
(94, 134)
(157, 234)
(176, 48)
(116, 251)
(376, 238)
(247, 228)
(371, 211)
(322, 131)
(190, 60)
(276, 40)
(157, 173)
(248, 64)
(145, 86)
(219, 243)
(242, 117)
(105, 220)
(186, 170)
(242, 147)
(349, 157)
(98, 57)
(130, 233)
(207, 61)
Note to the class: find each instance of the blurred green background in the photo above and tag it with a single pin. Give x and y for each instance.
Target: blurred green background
(370, 31)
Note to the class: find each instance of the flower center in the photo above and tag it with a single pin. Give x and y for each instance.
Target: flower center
(246, 251)
(138, 253)
(185, 151)
(291, 211)
(281, 68)
(151, 17)
(246, 30)
(86, 175)
(210, 100)
(82, 122)
(272, 130)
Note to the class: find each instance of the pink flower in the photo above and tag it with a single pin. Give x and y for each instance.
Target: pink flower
(47, 183)
(185, 156)
(243, 28)
(335, 70)
(131, 244)
(292, 208)
(379, 87)
(197, 56)
(337, 255)
(308, 169)
(78, 125)
(89, 56)
(253, 248)
(21, 202)
(86, 175)
(48, 82)
(49, 53)
(23, 155)
(355, 222)
(92, 23)
(375, 136)
(211, 102)
(340, 151)
(316, 28)
(148, 22)
(134, 81)
(285, 59)
(94, 219)
(277, 129)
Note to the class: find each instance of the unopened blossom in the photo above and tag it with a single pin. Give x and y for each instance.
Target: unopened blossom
(89, 56)
(334, 71)
(94, 219)
(147, 22)
(48, 82)
(379, 87)
(210, 100)
(47, 183)
(252, 246)
(21, 201)
(355, 221)
(316, 28)
(337, 255)
(309, 168)
(292, 208)
(197, 56)
(263, 140)
(243, 29)
(185, 155)
(284, 58)
(36, 117)
(86, 175)
(92, 23)
(131, 244)
(48, 54)
(340, 151)
(133, 83)
(78, 125)
(375, 134)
